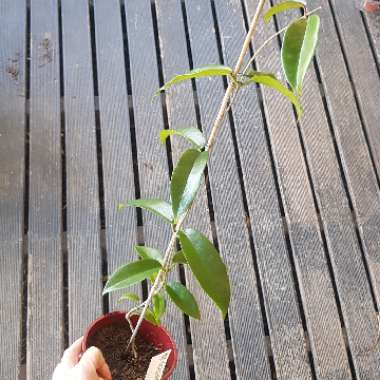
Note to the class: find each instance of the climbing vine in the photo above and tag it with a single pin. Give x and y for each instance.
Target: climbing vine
(196, 251)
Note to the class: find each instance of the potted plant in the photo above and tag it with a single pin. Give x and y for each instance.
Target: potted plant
(130, 339)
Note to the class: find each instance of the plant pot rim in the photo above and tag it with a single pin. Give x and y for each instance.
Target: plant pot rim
(146, 324)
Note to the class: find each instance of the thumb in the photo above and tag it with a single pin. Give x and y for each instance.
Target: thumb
(94, 359)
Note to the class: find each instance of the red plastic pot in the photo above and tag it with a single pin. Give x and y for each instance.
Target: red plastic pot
(371, 6)
(157, 335)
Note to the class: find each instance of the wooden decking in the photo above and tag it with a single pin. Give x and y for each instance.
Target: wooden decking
(294, 208)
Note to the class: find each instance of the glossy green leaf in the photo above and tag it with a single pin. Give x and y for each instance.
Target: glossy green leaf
(150, 317)
(179, 258)
(152, 278)
(207, 267)
(186, 178)
(149, 253)
(199, 72)
(193, 135)
(159, 307)
(269, 80)
(156, 206)
(129, 297)
(300, 41)
(131, 274)
(282, 7)
(183, 299)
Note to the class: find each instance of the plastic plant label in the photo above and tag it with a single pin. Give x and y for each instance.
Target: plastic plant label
(157, 366)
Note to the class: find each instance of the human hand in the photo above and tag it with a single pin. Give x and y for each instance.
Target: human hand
(90, 366)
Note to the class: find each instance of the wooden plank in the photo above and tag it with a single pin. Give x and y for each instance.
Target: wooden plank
(285, 325)
(208, 336)
(12, 125)
(151, 155)
(363, 70)
(327, 344)
(372, 21)
(247, 332)
(118, 176)
(345, 254)
(83, 219)
(45, 312)
(356, 163)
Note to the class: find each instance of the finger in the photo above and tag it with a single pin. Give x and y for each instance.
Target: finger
(85, 371)
(71, 355)
(58, 372)
(104, 372)
(95, 357)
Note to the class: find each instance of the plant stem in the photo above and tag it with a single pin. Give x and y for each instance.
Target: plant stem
(256, 53)
(158, 282)
(232, 86)
(223, 110)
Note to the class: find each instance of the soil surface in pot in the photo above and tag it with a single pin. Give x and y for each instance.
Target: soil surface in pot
(112, 341)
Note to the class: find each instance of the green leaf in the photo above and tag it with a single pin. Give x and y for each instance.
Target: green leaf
(150, 317)
(186, 179)
(300, 41)
(131, 274)
(283, 6)
(183, 299)
(271, 81)
(194, 135)
(129, 297)
(149, 253)
(153, 277)
(179, 258)
(156, 206)
(207, 267)
(159, 307)
(205, 71)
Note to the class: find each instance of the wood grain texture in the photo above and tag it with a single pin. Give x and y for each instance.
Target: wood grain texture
(208, 336)
(12, 132)
(344, 251)
(327, 344)
(45, 312)
(83, 219)
(373, 23)
(45, 328)
(151, 155)
(284, 322)
(245, 314)
(118, 176)
(356, 163)
(363, 70)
